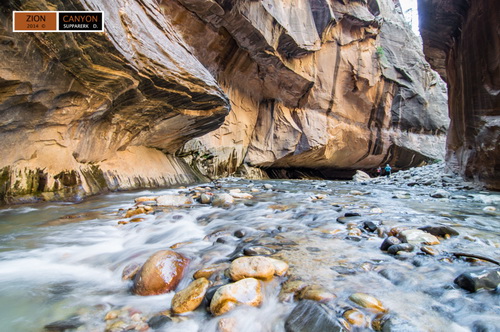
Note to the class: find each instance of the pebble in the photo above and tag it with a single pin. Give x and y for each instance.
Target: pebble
(490, 210)
(267, 186)
(405, 247)
(440, 193)
(173, 200)
(430, 251)
(291, 289)
(242, 195)
(355, 317)
(370, 226)
(316, 293)
(240, 233)
(367, 301)
(222, 200)
(133, 212)
(482, 279)
(246, 291)
(251, 267)
(145, 199)
(205, 198)
(158, 321)
(388, 242)
(280, 267)
(130, 271)
(440, 230)
(417, 236)
(190, 297)
(207, 272)
(258, 251)
(63, 325)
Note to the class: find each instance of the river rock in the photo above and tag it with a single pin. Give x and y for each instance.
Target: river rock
(158, 321)
(251, 267)
(258, 251)
(205, 198)
(355, 317)
(64, 325)
(440, 230)
(208, 271)
(367, 301)
(316, 293)
(370, 226)
(405, 247)
(133, 212)
(246, 291)
(388, 242)
(430, 251)
(160, 274)
(173, 200)
(361, 176)
(143, 199)
(483, 279)
(222, 200)
(416, 236)
(280, 267)
(267, 186)
(440, 193)
(242, 195)
(311, 316)
(130, 271)
(394, 323)
(190, 297)
(291, 289)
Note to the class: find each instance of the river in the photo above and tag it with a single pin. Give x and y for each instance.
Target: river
(59, 260)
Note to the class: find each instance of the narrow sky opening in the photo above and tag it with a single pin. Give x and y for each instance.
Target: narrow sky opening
(410, 10)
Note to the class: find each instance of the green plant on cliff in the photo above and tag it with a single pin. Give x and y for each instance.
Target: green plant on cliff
(382, 58)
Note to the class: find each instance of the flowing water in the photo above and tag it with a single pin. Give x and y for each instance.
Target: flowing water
(58, 260)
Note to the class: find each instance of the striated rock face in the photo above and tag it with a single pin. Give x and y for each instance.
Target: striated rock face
(323, 85)
(312, 84)
(462, 41)
(84, 112)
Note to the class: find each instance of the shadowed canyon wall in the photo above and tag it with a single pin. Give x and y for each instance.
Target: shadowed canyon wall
(462, 42)
(173, 86)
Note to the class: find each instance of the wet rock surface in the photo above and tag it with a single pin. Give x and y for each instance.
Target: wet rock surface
(469, 64)
(310, 258)
(161, 273)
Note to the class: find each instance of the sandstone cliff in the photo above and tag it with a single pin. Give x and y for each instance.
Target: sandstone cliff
(83, 112)
(309, 84)
(315, 85)
(462, 42)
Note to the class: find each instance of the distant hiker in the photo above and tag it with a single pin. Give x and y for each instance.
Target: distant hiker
(388, 170)
(379, 171)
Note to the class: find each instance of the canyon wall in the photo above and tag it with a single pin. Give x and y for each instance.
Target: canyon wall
(462, 42)
(85, 112)
(324, 87)
(173, 90)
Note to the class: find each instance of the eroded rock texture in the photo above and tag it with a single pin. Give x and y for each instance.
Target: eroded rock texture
(462, 41)
(83, 112)
(324, 85)
(315, 85)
